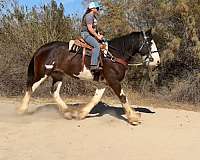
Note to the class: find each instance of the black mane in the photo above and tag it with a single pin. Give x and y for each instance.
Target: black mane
(126, 44)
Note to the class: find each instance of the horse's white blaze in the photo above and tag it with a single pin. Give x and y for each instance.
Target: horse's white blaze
(57, 98)
(85, 74)
(155, 55)
(36, 84)
(24, 104)
(95, 100)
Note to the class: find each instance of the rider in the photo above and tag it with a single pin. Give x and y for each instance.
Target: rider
(90, 34)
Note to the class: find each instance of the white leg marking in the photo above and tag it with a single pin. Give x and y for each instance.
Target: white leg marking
(95, 100)
(56, 95)
(133, 117)
(24, 106)
(125, 105)
(122, 93)
(36, 85)
(85, 74)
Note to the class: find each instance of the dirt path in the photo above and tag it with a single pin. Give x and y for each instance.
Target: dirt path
(164, 135)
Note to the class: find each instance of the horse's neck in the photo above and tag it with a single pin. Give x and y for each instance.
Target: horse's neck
(124, 46)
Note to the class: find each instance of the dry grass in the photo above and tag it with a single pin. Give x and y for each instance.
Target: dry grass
(187, 90)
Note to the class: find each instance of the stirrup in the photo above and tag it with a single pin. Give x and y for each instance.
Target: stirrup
(94, 68)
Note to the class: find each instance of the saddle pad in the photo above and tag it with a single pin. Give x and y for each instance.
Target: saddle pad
(82, 43)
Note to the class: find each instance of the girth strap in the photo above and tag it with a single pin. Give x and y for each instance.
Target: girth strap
(121, 61)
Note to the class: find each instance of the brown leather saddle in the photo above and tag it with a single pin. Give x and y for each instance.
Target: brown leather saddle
(80, 42)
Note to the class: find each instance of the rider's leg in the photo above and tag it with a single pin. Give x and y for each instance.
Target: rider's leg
(95, 55)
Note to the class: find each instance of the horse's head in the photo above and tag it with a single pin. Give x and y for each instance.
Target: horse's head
(148, 49)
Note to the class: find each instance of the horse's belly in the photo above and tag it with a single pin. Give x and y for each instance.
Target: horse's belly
(85, 74)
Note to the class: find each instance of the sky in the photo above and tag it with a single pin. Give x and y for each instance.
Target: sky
(71, 6)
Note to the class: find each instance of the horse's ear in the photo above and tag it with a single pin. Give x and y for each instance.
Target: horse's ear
(149, 32)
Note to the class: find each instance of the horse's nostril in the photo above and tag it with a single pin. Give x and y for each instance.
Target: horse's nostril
(158, 62)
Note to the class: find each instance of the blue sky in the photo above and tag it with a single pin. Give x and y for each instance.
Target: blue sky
(71, 6)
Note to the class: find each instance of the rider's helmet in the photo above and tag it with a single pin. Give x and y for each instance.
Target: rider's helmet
(94, 5)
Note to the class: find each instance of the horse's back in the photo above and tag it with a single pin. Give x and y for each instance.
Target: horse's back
(50, 46)
(50, 52)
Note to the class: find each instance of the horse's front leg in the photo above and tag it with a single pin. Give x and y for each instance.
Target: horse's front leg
(132, 116)
(82, 112)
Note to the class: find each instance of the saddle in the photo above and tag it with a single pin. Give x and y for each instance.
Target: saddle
(74, 45)
(80, 42)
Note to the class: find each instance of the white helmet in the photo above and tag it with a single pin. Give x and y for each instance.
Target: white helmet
(94, 5)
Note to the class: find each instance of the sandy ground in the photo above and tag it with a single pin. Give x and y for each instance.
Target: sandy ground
(164, 134)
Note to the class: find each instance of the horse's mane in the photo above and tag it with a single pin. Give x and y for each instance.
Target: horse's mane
(125, 43)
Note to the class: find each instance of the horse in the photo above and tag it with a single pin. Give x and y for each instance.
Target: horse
(56, 60)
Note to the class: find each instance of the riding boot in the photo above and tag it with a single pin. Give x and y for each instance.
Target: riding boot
(95, 71)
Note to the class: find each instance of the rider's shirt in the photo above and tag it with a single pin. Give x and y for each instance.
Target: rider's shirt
(89, 18)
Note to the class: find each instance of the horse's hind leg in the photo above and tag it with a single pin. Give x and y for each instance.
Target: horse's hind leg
(82, 112)
(55, 91)
(31, 87)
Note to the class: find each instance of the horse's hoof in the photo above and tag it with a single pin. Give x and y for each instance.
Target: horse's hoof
(134, 122)
(81, 115)
(134, 119)
(21, 111)
(63, 110)
(68, 116)
(72, 114)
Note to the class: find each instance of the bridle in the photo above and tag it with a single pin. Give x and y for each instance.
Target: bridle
(144, 42)
(149, 56)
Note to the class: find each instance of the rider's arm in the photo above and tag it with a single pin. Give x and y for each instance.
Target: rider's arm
(92, 31)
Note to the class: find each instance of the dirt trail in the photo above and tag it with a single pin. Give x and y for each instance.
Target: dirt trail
(164, 135)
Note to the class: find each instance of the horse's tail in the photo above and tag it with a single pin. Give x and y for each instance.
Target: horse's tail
(30, 75)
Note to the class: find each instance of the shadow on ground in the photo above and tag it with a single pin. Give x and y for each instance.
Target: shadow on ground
(99, 110)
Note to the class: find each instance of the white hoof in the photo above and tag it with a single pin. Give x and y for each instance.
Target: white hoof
(21, 110)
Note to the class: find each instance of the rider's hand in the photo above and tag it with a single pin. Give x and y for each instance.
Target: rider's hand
(100, 37)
